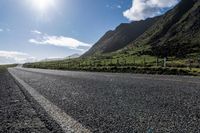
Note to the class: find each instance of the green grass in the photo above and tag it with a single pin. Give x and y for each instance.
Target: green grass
(124, 63)
(3, 68)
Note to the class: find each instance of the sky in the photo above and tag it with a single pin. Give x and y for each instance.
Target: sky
(32, 30)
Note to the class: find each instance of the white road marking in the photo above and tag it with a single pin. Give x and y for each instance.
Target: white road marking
(67, 123)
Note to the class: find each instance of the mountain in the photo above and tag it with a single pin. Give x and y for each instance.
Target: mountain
(177, 33)
(52, 59)
(120, 37)
(73, 56)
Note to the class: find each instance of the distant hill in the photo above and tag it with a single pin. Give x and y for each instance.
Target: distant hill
(52, 59)
(120, 37)
(73, 56)
(177, 33)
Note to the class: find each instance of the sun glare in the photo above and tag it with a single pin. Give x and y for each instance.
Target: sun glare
(43, 5)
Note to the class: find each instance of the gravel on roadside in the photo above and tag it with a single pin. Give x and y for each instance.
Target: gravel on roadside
(16, 113)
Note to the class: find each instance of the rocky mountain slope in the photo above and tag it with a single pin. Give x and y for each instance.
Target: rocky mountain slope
(120, 37)
(177, 33)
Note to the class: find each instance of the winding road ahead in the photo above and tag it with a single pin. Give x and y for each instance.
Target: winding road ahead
(106, 102)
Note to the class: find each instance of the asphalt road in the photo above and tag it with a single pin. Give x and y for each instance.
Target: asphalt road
(106, 102)
(16, 113)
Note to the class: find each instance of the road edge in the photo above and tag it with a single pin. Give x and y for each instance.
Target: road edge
(62, 123)
(42, 114)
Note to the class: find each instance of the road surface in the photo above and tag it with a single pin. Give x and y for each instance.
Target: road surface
(16, 113)
(106, 102)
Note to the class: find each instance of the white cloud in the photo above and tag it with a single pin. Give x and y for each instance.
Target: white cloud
(142, 9)
(114, 6)
(61, 41)
(36, 32)
(119, 6)
(7, 30)
(9, 57)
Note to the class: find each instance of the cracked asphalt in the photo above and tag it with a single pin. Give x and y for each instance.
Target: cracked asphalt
(121, 103)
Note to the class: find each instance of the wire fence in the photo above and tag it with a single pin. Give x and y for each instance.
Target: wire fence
(137, 62)
(145, 64)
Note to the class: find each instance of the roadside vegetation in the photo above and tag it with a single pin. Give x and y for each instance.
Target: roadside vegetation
(3, 68)
(126, 62)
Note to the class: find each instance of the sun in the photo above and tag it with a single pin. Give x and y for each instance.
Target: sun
(42, 5)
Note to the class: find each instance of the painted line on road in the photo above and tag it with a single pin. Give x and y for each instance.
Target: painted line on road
(67, 123)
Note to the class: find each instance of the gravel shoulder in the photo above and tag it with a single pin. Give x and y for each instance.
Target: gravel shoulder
(16, 113)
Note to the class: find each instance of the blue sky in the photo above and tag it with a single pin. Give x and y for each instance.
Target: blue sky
(37, 29)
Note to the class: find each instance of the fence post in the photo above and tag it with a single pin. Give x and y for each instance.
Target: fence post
(157, 60)
(68, 64)
(165, 62)
(190, 64)
(117, 61)
(144, 62)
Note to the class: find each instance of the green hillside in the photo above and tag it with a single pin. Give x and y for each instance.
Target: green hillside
(120, 37)
(177, 33)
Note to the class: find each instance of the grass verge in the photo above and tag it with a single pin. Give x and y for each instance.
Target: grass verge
(125, 63)
(3, 68)
(128, 69)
